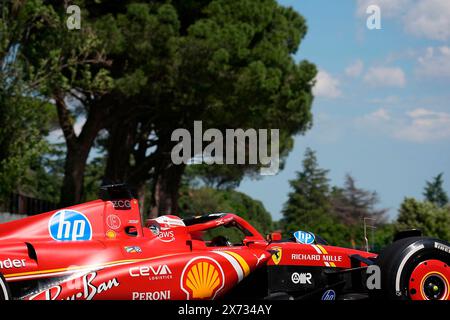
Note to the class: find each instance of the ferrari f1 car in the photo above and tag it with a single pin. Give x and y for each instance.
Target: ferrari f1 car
(102, 250)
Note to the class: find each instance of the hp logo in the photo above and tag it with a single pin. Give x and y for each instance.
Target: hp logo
(329, 295)
(304, 237)
(69, 225)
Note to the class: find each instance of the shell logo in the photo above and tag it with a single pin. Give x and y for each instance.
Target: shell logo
(110, 234)
(202, 278)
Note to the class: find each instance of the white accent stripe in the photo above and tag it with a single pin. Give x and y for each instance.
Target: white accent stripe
(5, 292)
(234, 263)
(317, 249)
(327, 264)
(402, 265)
(53, 274)
(83, 268)
(73, 271)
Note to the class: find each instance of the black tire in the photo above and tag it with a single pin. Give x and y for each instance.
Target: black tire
(398, 261)
(4, 289)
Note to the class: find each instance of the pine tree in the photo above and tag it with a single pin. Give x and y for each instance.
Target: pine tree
(434, 191)
(308, 202)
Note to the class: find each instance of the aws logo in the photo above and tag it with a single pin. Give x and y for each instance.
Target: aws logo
(69, 225)
(202, 278)
(166, 235)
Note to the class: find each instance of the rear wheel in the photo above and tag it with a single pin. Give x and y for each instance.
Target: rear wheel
(415, 268)
(429, 280)
(4, 289)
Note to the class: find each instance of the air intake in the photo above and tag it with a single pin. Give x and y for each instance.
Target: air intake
(115, 192)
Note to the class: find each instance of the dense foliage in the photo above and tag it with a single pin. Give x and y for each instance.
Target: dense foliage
(205, 200)
(335, 214)
(339, 214)
(25, 119)
(432, 220)
(141, 69)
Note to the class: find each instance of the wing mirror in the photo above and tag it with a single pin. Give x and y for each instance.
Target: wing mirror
(274, 236)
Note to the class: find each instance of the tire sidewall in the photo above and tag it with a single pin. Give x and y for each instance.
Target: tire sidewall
(402, 257)
(5, 294)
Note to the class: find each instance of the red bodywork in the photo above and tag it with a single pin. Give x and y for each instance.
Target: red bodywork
(101, 250)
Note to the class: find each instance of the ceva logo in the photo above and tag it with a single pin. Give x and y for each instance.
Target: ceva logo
(69, 225)
(304, 237)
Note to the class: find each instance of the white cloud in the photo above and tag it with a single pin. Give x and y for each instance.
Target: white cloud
(423, 18)
(355, 69)
(385, 77)
(380, 114)
(326, 85)
(418, 125)
(425, 125)
(373, 121)
(435, 62)
(429, 19)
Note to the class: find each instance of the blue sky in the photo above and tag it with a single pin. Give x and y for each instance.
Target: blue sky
(382, 106)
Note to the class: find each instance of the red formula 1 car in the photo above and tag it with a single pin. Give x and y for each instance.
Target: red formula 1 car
(102, 250)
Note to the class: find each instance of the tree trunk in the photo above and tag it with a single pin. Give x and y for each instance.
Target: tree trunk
(72, 188)
(78, 148)
(141, 199)
(120, 145)
(165, 190)
(127, 139)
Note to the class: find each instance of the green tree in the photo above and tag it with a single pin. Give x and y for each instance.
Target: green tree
(434, 191)
(93, 178)
(42, 59)
(215, 176)
(141, 69)
(432, 220)
(381, 236)
(308, 201)
(335, 215)
(44, 176)
(77, 81)
(351, 204)
(22, 138)
(308, 206)
(22, 128)
(230, 64)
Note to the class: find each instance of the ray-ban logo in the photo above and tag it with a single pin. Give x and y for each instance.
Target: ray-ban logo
(238, 147)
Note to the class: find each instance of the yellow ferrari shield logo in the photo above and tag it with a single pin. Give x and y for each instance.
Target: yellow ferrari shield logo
(276, 256)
